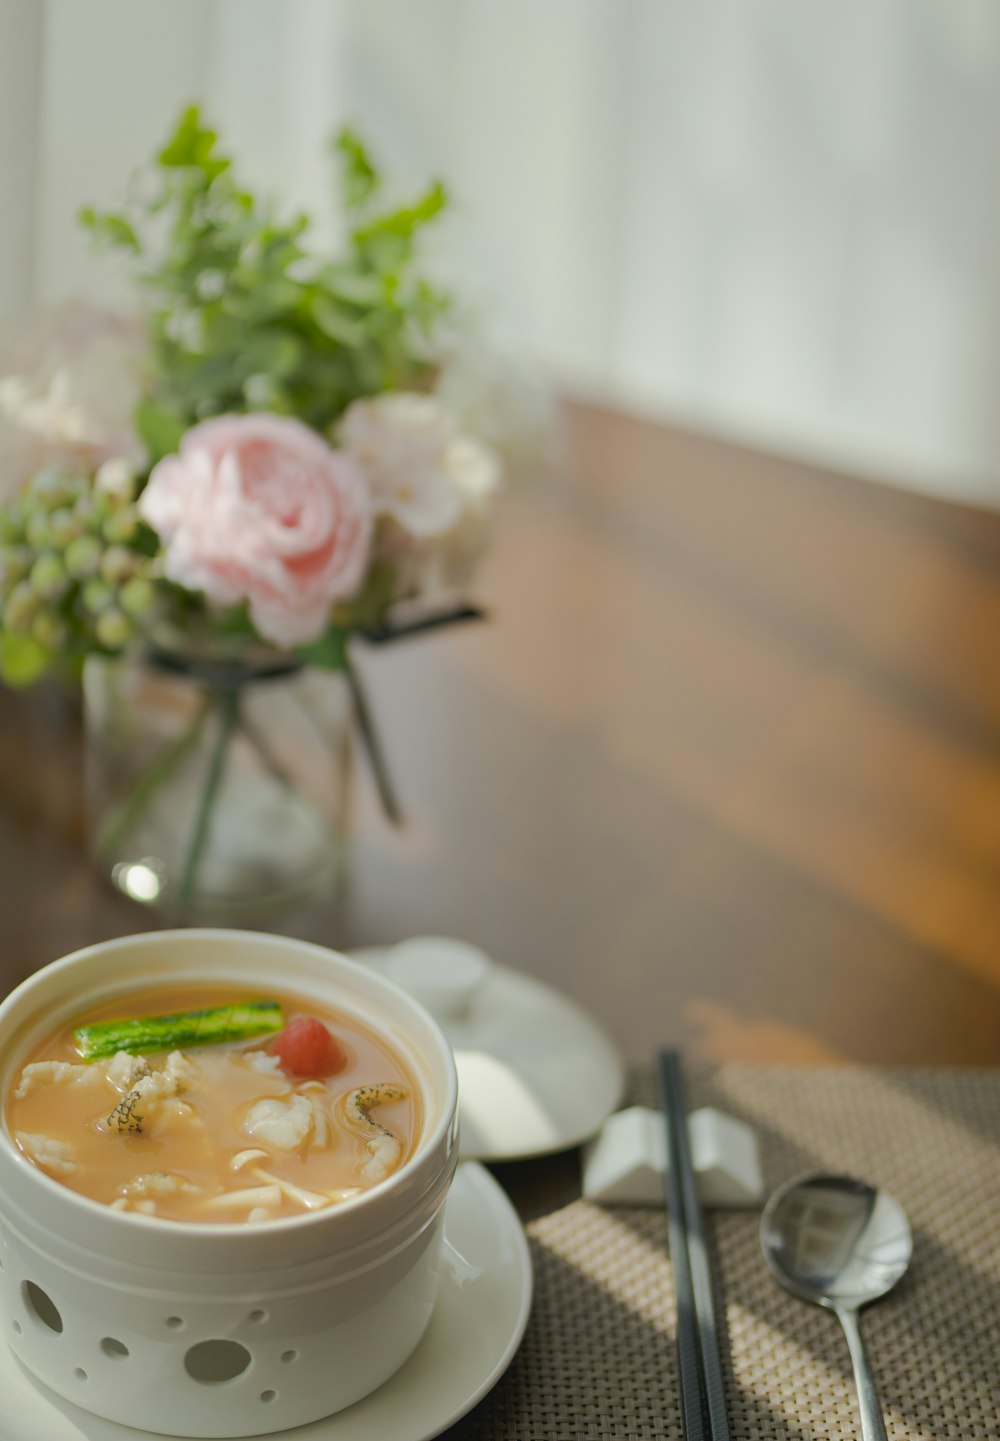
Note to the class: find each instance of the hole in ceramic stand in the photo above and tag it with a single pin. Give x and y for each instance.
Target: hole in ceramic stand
(42, 1307)
(212, 1362)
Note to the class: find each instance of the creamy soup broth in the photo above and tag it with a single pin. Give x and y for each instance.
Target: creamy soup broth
(225, 1134)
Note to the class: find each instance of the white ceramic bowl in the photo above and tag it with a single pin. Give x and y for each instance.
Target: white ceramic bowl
(222, 1330)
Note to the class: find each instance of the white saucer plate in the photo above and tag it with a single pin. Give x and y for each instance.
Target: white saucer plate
(479, 1319)
(536, 1073)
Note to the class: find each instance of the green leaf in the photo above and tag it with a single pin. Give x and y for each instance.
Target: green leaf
(22, 660)
(328, 652)
(405, 222)
(260, 298)
(359, 177)
(337, 323)
(110, 229)
(180, 149)
(356, 287)
(192, 146)
(274, 352)
(159, 430)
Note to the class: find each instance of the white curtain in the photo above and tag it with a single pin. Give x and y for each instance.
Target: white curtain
(765, 218)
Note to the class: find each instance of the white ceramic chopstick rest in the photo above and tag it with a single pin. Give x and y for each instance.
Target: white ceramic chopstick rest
(625, 1162)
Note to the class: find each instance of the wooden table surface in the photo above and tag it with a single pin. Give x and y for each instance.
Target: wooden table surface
(725, 766)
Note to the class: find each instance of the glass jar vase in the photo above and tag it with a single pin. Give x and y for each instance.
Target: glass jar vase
(217, 789)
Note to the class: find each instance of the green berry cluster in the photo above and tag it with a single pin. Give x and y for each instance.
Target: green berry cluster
(76, 562)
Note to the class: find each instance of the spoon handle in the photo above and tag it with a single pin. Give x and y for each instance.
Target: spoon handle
(872, 1424)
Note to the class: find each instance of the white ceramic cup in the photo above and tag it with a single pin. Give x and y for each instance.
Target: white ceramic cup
(229, 1329)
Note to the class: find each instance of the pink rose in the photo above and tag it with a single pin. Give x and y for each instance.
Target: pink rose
(259, 508)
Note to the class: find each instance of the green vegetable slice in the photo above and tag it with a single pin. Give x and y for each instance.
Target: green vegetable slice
(189, 1028)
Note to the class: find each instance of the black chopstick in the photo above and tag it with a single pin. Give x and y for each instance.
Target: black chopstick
(688, 1356)
(703, 1397)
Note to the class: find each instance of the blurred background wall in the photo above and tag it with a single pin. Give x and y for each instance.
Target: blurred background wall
(774, 220)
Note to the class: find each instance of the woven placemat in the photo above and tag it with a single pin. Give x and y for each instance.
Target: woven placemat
(598, 1359)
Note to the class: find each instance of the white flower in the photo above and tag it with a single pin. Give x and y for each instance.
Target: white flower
(422, 473)
(70, 378)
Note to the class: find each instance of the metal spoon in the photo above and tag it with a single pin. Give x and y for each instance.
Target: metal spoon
(841, 1244)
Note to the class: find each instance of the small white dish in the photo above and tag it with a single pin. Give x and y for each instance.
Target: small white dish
(536, 1074)
(479, 1318)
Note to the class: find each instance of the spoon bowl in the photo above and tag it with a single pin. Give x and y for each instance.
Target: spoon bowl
(839, 1243)
(836, 1241)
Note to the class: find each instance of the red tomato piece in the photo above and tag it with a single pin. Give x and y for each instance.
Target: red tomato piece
(307, 1048)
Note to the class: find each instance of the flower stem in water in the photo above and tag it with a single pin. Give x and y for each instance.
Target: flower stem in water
(228, 720)
(265, 755)
(122, 824)
(372, 744)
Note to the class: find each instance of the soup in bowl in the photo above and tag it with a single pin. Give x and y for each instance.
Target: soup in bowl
(223, 1169)
(214, 1106)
